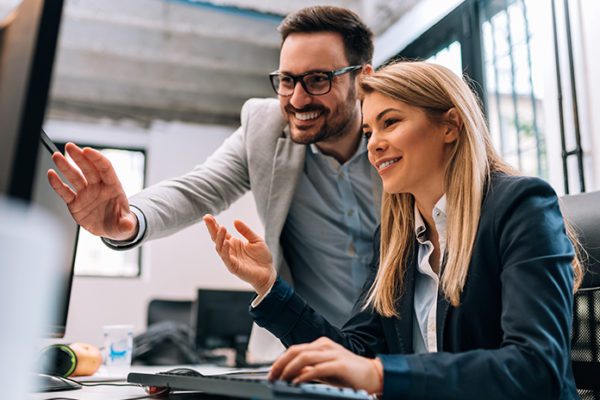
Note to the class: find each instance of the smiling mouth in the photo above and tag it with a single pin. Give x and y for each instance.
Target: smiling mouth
(387, 163)
(307, 116)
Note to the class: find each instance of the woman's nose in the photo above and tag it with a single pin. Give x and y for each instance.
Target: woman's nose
(376, 144)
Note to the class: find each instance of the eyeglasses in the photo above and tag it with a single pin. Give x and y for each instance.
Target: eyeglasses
(314, 83)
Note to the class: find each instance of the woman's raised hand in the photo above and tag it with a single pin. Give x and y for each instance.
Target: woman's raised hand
(250, 259)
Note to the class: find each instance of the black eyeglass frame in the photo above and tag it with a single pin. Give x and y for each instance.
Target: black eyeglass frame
(300, 78)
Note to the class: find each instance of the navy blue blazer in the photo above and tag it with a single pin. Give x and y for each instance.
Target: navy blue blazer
(508, 338)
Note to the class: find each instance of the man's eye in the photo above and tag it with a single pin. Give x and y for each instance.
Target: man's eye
(286, 80)
(316, 78)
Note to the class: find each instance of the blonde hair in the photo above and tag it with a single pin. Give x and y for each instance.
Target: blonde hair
(436, 90)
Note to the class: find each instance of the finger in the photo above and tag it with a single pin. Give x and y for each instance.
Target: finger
(306, 358)
(102, 165)
(73, 175)
(246, 232)
(221, 232)
(61, 188)
(211, 225)
(284, 359)
(227, 260)
(330, 371)
(89, 170)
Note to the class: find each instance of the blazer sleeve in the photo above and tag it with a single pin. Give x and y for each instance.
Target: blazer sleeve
(210, 187)
(293, 321)
(537, 294)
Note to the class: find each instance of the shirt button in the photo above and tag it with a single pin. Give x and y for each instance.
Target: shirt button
(350, 213)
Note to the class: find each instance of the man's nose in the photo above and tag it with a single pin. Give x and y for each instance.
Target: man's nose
(300, 98)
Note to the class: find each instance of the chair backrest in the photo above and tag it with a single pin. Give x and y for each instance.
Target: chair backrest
(160, 310)
(583, 212)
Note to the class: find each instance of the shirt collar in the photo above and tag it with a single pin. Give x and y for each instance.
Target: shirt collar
(420, 227)
(362, 148)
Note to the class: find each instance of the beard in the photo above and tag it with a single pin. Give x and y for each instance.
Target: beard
(334, 125)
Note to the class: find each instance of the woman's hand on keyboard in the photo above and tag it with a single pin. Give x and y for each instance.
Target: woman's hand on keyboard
(250, 259)
(327, 361)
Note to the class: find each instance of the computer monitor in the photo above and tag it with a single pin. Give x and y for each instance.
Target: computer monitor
(222, 320)
(28, 37)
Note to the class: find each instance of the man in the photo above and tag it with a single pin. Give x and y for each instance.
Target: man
(304, 160)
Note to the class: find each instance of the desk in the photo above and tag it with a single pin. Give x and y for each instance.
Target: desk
(126, 392)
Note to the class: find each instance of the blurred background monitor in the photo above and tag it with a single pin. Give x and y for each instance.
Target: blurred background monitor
(222, 321)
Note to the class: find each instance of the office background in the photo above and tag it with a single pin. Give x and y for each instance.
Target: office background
(168, 77)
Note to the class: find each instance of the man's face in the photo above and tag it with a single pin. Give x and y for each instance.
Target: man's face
(312, 118)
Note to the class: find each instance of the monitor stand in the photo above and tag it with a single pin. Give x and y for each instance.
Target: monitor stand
(50, 383)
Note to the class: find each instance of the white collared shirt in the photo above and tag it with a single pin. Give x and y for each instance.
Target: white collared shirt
(427, 281)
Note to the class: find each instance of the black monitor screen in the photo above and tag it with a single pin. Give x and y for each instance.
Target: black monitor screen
(44, 196)
(222, 318)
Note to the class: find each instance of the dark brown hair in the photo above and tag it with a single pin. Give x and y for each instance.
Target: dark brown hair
(358, 38)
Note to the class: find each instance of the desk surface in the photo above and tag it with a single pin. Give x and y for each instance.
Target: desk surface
(127, 392)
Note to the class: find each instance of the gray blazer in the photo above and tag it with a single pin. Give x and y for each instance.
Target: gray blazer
(258, 156)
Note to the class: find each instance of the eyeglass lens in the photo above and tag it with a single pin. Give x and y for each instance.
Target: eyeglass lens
(316, 83)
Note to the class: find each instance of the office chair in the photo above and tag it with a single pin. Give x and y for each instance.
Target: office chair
(169, 337)
(583, 212)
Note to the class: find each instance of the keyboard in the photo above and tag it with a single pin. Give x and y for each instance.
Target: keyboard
(245, 386)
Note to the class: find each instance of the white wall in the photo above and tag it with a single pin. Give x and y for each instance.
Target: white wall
(173, 267)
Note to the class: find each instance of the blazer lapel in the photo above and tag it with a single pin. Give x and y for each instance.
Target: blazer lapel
(442, 313)
(288, 163)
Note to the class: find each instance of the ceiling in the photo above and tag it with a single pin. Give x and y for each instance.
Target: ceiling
(186, 60)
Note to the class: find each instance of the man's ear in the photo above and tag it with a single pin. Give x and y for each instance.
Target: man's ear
(367, 69)
(454, 124)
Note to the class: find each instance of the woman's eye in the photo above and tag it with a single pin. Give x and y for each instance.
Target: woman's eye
(367, 135)
(389, 122)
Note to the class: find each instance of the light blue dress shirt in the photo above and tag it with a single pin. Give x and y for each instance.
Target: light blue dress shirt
(327, 237)
(427, 282)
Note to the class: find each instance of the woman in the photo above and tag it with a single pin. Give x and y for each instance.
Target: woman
(470, 295)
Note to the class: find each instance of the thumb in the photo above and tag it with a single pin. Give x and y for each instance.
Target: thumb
(245, 231)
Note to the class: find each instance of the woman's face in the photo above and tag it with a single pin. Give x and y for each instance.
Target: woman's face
(408, 149)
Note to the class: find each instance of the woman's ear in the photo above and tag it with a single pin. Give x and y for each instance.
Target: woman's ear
(454, 123)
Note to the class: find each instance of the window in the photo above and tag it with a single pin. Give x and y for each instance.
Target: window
(508, 48)
(93, 257)
(449, 57)
(514, 88)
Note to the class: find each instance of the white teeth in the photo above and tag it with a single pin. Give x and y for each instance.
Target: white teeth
(388, 163)
(306, 116)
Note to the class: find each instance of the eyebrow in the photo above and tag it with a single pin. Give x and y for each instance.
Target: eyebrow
(311, 71)
(382, 114)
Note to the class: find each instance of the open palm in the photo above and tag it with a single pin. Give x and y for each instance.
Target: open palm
(249, 260)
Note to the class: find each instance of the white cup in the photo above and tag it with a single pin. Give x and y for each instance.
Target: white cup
(118, 347)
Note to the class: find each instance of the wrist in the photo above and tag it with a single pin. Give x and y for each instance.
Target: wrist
(263, 290)
(377, 374)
